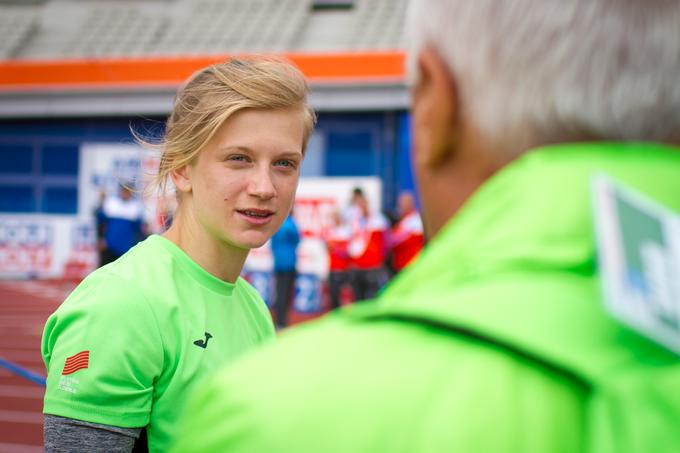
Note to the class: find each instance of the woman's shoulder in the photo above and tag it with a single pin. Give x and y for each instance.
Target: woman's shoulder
(105, 290)
(140, 267)
(244, 288)
(119, 288)
(251, 298)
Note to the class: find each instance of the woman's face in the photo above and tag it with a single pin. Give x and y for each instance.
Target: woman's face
(242, 185)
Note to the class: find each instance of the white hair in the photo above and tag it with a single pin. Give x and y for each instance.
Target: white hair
(533, 72)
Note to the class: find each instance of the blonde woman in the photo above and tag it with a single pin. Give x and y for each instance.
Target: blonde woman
(137, 335)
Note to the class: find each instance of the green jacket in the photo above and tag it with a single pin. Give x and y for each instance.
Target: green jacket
(495, 340)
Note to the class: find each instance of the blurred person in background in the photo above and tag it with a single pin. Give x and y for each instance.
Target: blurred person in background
(495, 339)
(337, 239)
(406, 236)
(165, 210)
(367, 247)
(100, 229)
(284, 244)
(135, 336)
(121, 221)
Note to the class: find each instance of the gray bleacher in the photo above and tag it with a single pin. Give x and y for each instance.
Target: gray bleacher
(379, 25)
(17, 25)
(224, 26)
(126, 28)
(116, 30)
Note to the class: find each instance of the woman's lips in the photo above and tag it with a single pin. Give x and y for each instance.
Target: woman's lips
(256, 216)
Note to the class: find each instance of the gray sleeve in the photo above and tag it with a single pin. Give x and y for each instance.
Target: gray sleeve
(67, 435)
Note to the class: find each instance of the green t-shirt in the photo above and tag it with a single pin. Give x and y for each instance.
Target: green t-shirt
(136, 336)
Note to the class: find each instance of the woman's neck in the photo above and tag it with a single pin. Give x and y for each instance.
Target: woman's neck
(218, 258)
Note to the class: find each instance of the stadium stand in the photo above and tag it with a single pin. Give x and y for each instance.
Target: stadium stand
(121, 57)
(116, 31)
(212, 26)
(378, 25)
(17, 25)
(68, 29)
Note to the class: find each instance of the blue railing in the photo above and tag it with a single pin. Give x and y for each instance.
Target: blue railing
(22, 372)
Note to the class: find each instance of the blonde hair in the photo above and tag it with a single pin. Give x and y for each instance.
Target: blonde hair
(210, 96)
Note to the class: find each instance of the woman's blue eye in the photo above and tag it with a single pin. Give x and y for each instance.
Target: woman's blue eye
(285, 163)
(238, 157)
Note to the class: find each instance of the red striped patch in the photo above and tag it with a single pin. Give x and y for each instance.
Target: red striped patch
(76, 362)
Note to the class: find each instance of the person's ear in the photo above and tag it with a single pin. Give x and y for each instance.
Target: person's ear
(180, 177)
(437, 95)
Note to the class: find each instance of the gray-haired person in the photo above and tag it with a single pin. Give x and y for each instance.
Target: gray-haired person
(495, 340)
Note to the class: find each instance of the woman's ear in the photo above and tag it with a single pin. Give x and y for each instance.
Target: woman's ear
(180, 177)
(436, 96)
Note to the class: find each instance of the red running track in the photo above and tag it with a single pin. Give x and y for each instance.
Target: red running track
(24, 307)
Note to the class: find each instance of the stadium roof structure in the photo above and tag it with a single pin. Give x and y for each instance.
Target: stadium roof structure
(121, 57)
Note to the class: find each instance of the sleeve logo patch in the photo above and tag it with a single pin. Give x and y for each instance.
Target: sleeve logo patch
(76, 362)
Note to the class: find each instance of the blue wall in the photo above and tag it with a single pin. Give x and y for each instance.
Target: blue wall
(370, 144)
(39, 158)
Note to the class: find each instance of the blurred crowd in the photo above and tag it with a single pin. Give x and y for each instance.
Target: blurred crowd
(366, 248)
